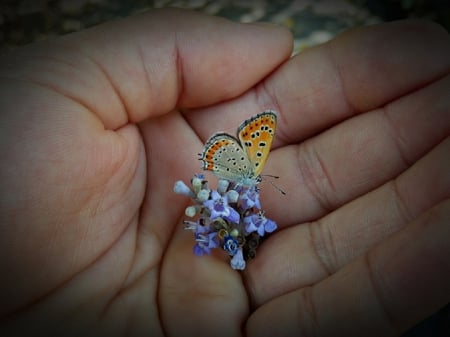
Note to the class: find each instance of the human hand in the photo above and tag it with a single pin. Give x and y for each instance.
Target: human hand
(91, 144)
(91, 228)
(363, 148)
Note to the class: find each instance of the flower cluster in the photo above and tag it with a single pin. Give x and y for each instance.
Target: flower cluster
(229, 217)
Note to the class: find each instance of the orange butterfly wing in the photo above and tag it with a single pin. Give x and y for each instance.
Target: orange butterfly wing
(256, 135)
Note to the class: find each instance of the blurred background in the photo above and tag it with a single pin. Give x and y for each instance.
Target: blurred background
(311, 21)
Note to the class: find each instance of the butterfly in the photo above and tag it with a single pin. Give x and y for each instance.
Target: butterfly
(241, 159)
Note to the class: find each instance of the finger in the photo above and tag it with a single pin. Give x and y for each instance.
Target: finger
(200, 295)
(360, 70)
(398, 283)
(366, 151)
(53, 138)
(193, 290)
(305, 254)
(70, 191)
(147, 64)
(359, 154)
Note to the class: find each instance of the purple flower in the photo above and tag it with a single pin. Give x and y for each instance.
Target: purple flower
(202, 225)
(259, 223)
(204, 241)
(200, 176)
(204, 237)
(229, 217)
(238, 262)
(250, 198)
(190, 225)
(230, 245)
(218, 205)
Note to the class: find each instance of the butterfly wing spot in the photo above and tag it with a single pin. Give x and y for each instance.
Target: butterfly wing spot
(241, 160)
(256, 135)
(225, 157)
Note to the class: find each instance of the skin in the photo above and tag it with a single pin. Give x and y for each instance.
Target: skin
(97, 126)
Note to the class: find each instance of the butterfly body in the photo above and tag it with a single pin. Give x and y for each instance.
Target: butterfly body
(241, 159)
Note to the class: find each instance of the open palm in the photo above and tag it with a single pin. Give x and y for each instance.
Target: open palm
(97, 126)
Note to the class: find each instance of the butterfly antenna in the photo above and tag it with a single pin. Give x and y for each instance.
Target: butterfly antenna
(275, 186)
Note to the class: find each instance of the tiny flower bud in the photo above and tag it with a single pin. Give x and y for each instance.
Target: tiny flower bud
(234, 232)
(181, 188)
(253, 242)
(190, 211)
(222, 233)
(251, 254)
(232, 196)
(203, 195)
(222, 186)
(197, 183)
(240, 239)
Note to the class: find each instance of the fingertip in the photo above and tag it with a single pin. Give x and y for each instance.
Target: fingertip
(280, 33)
(168, 58)
(396, 57)
(238, 55)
